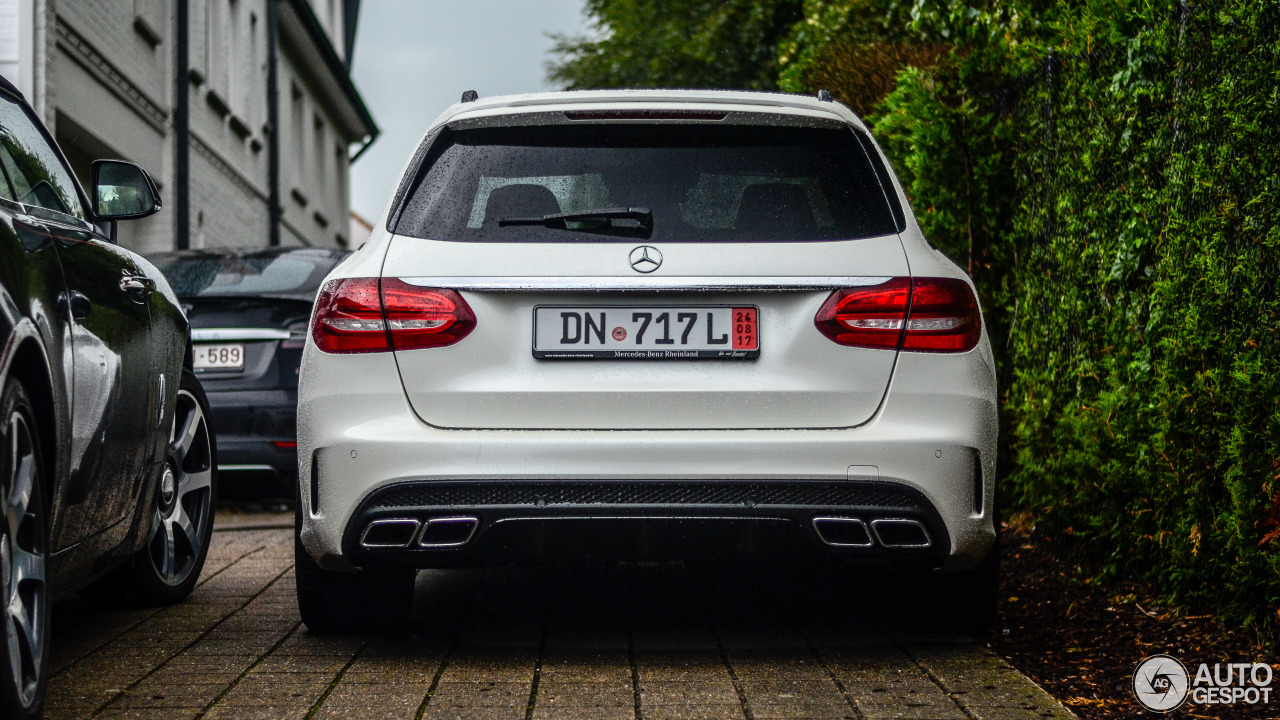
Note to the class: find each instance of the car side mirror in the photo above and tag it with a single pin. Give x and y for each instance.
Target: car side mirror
(122, 191)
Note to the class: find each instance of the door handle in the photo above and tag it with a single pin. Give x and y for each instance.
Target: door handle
(137, 284)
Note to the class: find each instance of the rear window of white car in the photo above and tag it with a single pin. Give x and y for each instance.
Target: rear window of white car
(693, 183)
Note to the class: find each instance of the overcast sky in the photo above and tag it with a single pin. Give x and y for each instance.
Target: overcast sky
(413, 59)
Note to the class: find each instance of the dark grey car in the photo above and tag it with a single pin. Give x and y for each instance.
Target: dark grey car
(249, 311)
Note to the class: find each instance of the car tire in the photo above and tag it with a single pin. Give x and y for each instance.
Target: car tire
(965, 601)
(24, 542)
(377, 599)
(166, 569)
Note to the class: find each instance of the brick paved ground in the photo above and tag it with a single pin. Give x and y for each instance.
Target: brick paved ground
(650, 643)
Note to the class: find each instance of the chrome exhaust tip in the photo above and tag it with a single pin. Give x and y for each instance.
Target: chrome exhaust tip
(842, 531)
(447, 532)
(901, 533)
(389, 533)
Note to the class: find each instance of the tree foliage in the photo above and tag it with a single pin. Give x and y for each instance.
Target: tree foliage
(676, 43)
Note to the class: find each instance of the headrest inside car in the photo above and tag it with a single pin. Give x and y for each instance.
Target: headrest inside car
(524, 200)
(775, 208)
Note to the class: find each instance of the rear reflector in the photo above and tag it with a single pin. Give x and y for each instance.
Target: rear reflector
(355, 315)
(921, 314)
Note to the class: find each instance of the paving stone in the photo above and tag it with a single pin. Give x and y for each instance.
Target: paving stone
(166, 695)
(196, 665)
(685, 667)
(367, 703)
(542, 712)
(1006, 713)
(283, 689)
(663, 692)
(489, 667)
(799, 708)
(261, 712)
(721, 711)
(481, 694)
(304, 643)
(481, 712)
(587, 668)
(146, 714)
(237, 648)
(276, 663)
(585, 694)
(897, 711)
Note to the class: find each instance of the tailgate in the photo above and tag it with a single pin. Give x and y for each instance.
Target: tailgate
(492, 379)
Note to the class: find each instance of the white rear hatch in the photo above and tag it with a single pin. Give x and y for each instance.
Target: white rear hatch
(765, 221)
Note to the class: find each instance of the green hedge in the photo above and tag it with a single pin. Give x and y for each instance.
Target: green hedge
(1111, 177)
(1109, 173)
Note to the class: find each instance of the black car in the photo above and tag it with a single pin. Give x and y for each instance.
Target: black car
(249, 311)
(107, 472)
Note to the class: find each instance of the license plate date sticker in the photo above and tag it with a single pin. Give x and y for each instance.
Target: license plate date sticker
(229, 356)
(646, 333)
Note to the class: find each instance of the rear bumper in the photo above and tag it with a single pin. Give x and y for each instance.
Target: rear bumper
(248, 423)
(933, 438)
(451, 524)
(238, 453)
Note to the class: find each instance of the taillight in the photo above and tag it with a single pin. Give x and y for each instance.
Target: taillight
(922, 314)
(348, 317)
(868, 317)
(420, 317)
(944, 316)
(356, 315)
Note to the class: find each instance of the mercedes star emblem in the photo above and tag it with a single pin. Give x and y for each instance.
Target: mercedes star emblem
(646, 259)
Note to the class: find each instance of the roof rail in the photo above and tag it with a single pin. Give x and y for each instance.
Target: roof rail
(825, 96)
(470, 96)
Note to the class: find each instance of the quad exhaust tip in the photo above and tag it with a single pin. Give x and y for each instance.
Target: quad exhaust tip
(389, 533)
(447, 532)
(842, 531)
(893, 533)
(901, 533)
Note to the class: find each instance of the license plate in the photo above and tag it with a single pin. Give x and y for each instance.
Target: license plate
(646, 333)
(229, 356)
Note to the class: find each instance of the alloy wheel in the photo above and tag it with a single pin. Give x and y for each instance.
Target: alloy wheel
(22, 561)
(179, 529)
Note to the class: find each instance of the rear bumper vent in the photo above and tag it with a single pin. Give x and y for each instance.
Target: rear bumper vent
(493, 493)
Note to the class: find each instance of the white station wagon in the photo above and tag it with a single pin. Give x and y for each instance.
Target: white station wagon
(643, 325)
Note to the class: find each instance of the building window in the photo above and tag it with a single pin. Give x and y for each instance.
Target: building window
(297, 129)
(320, 157)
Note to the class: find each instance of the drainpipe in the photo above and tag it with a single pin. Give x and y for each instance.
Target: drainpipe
(273, 122)
(182, 132)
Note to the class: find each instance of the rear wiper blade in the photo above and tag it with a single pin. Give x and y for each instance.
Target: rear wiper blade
(634, 218)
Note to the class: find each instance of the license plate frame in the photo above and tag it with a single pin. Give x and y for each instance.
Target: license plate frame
(224, 361)
(737, 327)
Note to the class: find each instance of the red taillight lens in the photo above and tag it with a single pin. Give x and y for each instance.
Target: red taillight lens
(944, 316)
(348, 317)
(868, 317)
(357, 315)
(420, 317)
(921, 314)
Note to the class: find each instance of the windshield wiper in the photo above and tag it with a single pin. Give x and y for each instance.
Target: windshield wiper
(636, 219)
